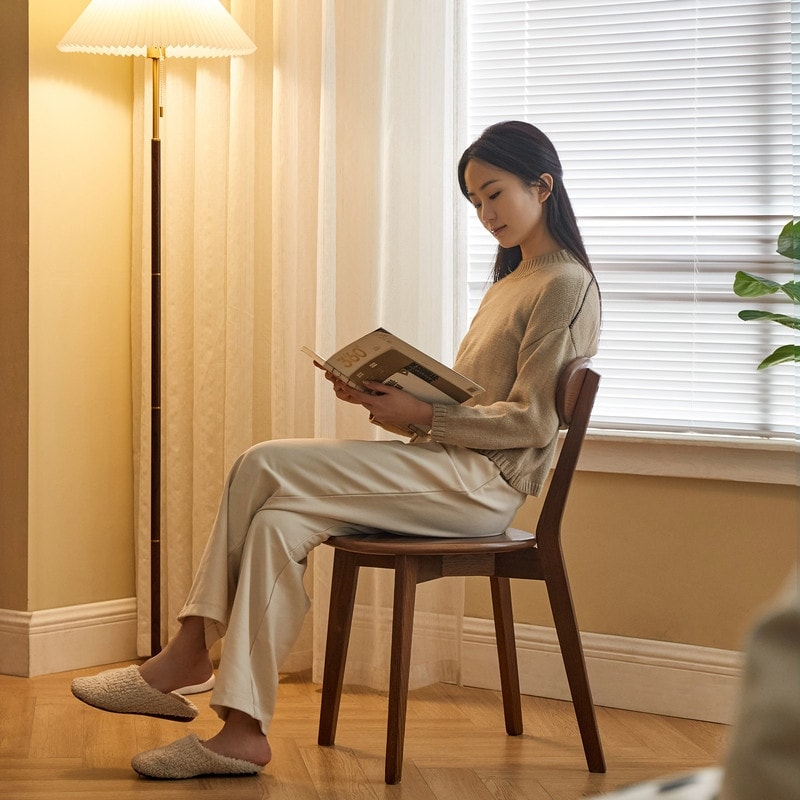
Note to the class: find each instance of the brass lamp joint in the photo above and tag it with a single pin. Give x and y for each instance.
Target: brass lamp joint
(155, 54)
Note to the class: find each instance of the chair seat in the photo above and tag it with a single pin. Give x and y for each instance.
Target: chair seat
(395, 544)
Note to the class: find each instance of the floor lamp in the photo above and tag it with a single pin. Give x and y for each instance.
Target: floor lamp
(156, 29)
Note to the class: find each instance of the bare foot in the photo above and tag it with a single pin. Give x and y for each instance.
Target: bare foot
(183, 662)
(241, 737)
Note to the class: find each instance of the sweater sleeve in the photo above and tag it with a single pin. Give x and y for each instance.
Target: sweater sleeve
(527, 417)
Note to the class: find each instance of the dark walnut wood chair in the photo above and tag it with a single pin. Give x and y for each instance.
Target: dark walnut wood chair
(512, 554)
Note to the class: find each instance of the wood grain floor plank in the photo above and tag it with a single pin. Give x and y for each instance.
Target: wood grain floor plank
(337, 773)
(57, 730)
(464, 784)
(16, 723)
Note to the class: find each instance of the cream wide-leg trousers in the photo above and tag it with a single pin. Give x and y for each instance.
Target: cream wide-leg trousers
(285, 497)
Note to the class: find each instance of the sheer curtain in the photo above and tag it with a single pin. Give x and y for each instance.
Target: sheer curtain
(308, 194)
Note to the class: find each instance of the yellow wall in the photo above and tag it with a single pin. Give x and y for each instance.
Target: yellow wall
(670, 559)
(80, 530)
(14, 305)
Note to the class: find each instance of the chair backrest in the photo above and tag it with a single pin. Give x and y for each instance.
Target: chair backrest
(575, 394)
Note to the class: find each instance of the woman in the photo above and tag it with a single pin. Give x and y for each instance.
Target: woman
(467, 477)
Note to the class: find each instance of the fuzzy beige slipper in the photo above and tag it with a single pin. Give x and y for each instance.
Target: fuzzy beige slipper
(125, 691)
(187, 758)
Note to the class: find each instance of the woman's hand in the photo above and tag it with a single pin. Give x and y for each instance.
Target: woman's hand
(390, 406)
(393, 406)
(343, 391)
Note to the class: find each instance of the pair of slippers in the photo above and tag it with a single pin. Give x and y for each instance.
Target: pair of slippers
(124, 691)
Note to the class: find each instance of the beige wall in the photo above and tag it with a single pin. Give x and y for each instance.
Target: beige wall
(14, 305)
(669, 559)
(73, 541)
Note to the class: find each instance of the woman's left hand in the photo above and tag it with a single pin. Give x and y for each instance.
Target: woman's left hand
(390, 406)
(393, 406)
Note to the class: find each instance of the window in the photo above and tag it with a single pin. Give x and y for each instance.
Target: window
(673, 120)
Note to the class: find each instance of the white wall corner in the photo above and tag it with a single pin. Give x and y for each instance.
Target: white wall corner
(673, 679)
(59, 639)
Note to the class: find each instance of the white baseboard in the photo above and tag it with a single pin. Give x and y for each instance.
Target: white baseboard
(667, 678)
(59, 639)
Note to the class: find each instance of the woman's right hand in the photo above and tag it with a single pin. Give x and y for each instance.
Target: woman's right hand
(343, 391)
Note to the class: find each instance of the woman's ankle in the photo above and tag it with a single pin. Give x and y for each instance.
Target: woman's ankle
(184, 661)
(241, 737)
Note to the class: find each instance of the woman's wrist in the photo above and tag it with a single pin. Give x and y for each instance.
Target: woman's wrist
(425, 418)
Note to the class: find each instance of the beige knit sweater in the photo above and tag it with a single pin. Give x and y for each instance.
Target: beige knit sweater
(530, 325)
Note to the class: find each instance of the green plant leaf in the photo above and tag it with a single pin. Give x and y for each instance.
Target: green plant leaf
(782, 319)
(792, 288)
(788, 352)
(789, 240)
(747, 285)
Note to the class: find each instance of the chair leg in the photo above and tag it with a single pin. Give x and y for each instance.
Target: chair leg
(344, 581)
(507, 653)
(569, 640)
(405, 588)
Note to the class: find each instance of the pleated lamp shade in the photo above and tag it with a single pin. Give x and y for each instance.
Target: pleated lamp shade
(184, 28)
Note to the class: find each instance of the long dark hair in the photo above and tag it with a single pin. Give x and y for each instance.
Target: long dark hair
(523, 150)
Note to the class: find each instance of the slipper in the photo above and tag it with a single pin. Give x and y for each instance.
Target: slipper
(125, 691)
(198, 688)
(187, 758)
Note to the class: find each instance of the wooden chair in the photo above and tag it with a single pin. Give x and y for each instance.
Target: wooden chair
(513, 554)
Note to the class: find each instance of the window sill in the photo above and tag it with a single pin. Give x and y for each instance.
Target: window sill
(685, 456)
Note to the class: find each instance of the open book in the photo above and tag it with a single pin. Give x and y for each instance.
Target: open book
(381, 356)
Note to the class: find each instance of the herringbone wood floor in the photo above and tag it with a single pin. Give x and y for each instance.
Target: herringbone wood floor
(52, 746)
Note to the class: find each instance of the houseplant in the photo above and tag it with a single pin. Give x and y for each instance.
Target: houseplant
(747, 285)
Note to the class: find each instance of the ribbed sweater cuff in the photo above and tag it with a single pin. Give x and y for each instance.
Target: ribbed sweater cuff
(438, 422)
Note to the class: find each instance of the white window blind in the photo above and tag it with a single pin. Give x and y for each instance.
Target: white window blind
(673, 120)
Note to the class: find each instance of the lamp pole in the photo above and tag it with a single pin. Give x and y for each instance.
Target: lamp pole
(155, 54)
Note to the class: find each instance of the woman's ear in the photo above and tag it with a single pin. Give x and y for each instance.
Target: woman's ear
(545, 186)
